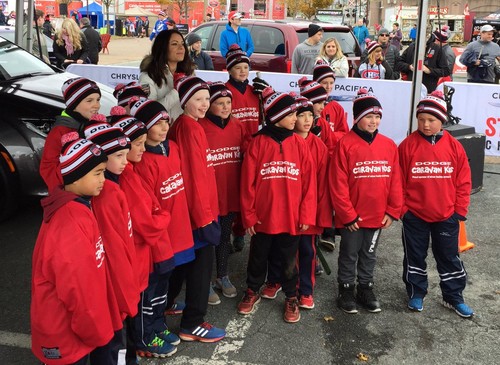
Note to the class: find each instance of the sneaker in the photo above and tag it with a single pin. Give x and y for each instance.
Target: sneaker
(249, 302)
(270, 291)
(225, 285)
(306, 301)
(205, 332)
(292, 313)
(176, 308)
(327, 242)
(157, 348)
(318, 269)
(367, 298)
(416, 304)
(213, 297)
(462, 309)
(169, 337)
(239, 243)
(346, 300)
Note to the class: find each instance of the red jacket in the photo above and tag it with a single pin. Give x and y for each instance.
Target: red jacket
(113, 217)
(49, 165)
(245, 107)
(149, 223)
(162, 175)
(327, 136)
(319, 155)
(278, 185)
(197, 169)
(365, 181)
(436, 178)
(336, 117)
(70, 315)
(225, 154)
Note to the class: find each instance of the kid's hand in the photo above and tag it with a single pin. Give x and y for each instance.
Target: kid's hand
(426, 69)
(386, 222)
(251, 230)
(354, 227)
(303, 227)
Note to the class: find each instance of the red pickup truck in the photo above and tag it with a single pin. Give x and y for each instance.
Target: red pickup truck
(275, 41)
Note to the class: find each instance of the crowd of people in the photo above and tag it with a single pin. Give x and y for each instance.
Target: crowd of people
(143, 201)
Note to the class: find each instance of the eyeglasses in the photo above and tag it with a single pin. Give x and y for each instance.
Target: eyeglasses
(383, 35)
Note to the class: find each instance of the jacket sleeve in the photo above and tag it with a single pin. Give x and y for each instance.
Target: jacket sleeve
(388, 70)
(309, 202)
(296, 60)
(209, 65)
(395, 197)
(50, 170)
(402, 62)
(59, 51)
(248, 187)
(250, 44)
(223, 46)
(463, 181)
(85, 48)
(343, 67)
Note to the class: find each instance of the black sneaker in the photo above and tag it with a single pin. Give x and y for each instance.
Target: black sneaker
(367, 298)
(346, 300)
(238, 243)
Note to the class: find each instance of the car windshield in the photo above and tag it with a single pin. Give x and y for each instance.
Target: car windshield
(15, 62)
(346, 40)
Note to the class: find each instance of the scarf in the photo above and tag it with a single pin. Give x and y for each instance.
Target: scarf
(68, 44)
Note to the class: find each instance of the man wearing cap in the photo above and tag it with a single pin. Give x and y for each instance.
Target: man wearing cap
(479, 57)
(441, 39)
(235, 33)
(389, 51)
(305, 54)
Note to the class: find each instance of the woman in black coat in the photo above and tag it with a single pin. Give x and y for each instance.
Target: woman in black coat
(70, 45)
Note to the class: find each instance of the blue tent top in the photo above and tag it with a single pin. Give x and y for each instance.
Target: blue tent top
(93, 8)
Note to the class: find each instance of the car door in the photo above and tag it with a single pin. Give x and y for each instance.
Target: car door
(269, 49)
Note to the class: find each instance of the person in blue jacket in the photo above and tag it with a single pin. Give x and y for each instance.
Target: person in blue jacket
(234, 33)
(160, 25)
(361, 33)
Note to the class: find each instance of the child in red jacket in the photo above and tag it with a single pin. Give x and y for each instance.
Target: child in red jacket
(437, 186)
(201, 193)
(365, 188)
(155, 260)
(70, 315)
(82, 97)
(225, 135)
(278, 200)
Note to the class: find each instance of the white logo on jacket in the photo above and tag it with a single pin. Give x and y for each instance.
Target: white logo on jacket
(99, 253)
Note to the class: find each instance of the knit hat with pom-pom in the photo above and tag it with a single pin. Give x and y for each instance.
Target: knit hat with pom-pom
(372, 46)
(124, 93)
(434, 104)
(303, 104)
(322, 70)
(365, 103)
(149, 112)
(111, 139)
(76, 89)
(312, 90)
(187, 86)
(235, 55)
(218, 90)
(78, 157)
(277, 105)
(131, 127)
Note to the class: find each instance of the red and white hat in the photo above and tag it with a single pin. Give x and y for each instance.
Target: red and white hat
(365, 103)
(322, 70)
(111, 139)
(434, 104)
(312, 90)
(372, 46)
(125, 93)
(277, 105)
(76, 89)
(149, 112)
(235, 55)
(218, 90)
(187, 86)
(234, 14)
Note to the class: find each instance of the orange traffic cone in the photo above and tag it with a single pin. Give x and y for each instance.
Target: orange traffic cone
(463, 244)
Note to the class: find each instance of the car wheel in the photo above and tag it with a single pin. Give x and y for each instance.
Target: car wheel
(9, 189)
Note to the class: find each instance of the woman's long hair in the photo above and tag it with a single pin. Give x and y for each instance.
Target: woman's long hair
(73, 32)
(156, 63)
(322, 53)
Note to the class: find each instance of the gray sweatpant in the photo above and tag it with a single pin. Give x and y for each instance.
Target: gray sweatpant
(357, 250)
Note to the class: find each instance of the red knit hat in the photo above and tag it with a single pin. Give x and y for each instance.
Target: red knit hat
(372, 46)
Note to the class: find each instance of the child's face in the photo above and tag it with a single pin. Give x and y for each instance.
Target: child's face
(89, 106)
(197, 106)
(117, 161)
(221, 107)
(327, 84)
(369, 123)
(157, 133)
(137, 149)
(304, 122)
(91, 184)
(428, 124)
(240, 71)
(288, 122)
(318, 108)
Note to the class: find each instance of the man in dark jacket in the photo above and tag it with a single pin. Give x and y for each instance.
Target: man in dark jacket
(93, 40)
(389, 52)
(435, 64)
(3, 20)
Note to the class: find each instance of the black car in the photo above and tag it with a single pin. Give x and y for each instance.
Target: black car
(30, 98)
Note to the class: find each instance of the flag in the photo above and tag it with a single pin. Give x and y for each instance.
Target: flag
(466, 9)
(399, 10)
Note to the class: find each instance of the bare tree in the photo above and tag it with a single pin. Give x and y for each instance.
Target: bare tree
(107, 4)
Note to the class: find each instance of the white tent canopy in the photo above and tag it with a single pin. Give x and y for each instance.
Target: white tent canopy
(137, 11)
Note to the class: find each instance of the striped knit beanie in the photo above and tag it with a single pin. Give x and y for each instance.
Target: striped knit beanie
(218, 90)
(187, 86)
(149, 112)
(111, 139)
(76, 89)
(322, 70)
(235, 55)
(434, 104)
(312, 90)
(365, 103)
(277, 105)
(125, 93)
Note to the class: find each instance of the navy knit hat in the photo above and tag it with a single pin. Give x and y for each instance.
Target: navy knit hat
(218, 90)
(312, 90)
(110, 139)
(125, 93)
(303, 104)
(322, 70)
(235, 55)
(149, 112)
(78, 157)
(365, 103)
(76, 89)
(434, 104)
(187, 86)
(131, 127)
(313, 29)
(277, 105)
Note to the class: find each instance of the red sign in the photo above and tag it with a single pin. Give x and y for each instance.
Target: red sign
(433, 10)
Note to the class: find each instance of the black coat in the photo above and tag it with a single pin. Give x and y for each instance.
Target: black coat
(94, 42)
(78, 54)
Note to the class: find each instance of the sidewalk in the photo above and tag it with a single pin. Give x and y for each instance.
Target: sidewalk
(125, 50)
